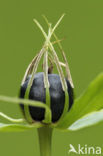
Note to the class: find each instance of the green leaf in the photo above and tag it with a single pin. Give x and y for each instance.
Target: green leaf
(17, 127)
(88, 120)
(90, 101)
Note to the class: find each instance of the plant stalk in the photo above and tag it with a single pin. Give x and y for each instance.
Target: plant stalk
(45, 138)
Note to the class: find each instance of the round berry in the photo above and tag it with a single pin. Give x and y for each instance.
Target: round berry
(37, 93)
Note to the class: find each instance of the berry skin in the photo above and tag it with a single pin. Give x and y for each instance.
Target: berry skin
(37, 93)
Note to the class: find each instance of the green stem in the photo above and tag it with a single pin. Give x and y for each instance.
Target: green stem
(45, 137)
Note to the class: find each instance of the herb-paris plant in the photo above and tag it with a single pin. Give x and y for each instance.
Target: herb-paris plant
(47, 99)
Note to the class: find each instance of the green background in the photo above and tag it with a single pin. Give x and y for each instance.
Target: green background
(20, 40)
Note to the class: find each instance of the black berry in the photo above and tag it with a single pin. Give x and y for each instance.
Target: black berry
(37, 93)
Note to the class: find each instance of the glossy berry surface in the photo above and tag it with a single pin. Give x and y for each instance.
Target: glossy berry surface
(57, 96)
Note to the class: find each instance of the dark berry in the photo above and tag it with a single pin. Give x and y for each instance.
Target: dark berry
(37, 93)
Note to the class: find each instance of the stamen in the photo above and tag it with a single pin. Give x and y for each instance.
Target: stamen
(63, 54)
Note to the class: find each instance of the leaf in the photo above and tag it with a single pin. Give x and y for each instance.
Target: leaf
(88, 120)
(17, 127)
(90, 101)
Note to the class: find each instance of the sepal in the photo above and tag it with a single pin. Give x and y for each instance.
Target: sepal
(87, 107)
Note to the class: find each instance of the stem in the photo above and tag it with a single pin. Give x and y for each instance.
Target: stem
(45, 137)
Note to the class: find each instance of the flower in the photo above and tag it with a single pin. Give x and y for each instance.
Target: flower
(47, 99)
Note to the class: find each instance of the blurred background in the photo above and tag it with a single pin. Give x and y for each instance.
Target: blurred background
(20, 40)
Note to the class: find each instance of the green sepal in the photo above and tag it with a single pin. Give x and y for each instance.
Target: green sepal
(90, 101)
(87, 121)
(17, 127)
(27, 102)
